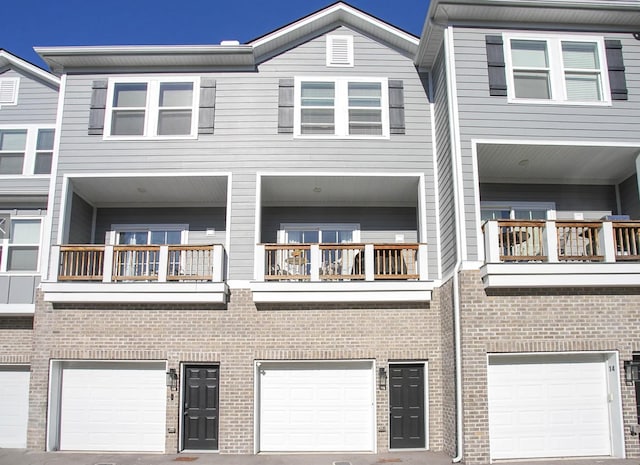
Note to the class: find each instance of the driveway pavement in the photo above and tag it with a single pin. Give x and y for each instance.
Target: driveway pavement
(27, 457)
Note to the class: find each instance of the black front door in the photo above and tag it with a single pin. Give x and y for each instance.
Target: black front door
(200, 430)
(406, 406)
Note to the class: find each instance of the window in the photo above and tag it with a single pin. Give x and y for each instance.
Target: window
(152, 108)
(516, 210)
(20, 251)
(557, 69)
(9, 91)
(341, 107)
(26, 151)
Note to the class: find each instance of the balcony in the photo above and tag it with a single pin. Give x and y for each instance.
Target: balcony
(133, 273)
(341, 273)
(561, 253)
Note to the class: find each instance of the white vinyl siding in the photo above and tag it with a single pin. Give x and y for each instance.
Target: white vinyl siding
(152, 108)
(556, 69)
(341, 107)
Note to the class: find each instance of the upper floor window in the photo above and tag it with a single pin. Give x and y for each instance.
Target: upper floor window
(557, 69)
(159, 107)
(20, 251)
(341, 107)
(9, 91)
(26, 151)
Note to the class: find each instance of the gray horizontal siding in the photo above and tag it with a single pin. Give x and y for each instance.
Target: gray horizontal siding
(486, 117)
(81, 221)
(37, 102)
(245, 139)
(629, 197)
(24, 185)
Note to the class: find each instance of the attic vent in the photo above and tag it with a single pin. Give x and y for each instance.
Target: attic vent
(9, 91)
(339, 50)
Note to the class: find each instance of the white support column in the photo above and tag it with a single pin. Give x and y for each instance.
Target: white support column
(550, 237)
(107, 271)
(491, 242)
(315, 259)
(258, 260)
(423, 264)
(605, 238)
(368, 262)
(218, 263)
(163, 263)
(54, 263)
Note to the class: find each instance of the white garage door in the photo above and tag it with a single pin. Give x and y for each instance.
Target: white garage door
(14, 406)
(314, 407)
(548, 407)
(113, 407)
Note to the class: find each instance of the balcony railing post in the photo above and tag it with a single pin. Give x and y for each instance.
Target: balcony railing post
(163, 263)
(605, 238)
(551, 241)
(422, 262)
(315, 259)
(54, 264)
(369, 263)
(491, 241)
(218, 263)
(107, 270)
(259, 262)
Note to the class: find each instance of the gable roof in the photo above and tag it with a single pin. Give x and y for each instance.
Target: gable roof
(227, 56)
(569, 15)
(10, 60)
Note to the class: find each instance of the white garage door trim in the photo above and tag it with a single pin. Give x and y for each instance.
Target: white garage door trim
(347, 383)
(14, 405)
(123, 401)
(548, 405)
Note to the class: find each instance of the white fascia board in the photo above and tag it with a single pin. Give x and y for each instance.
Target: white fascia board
(7, 58)
(332, 297)
(143, 297)
(17, 309)
(133, 288)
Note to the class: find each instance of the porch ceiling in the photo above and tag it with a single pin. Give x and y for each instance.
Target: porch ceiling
(152, 191)
(553, 164)
(339, 190)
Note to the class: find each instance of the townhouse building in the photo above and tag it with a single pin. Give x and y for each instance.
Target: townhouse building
(336, 237)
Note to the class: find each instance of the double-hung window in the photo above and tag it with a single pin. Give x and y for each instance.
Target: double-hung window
(557, 69)
(148, 108)
(341, 107)
(26, 150)
(20, 251)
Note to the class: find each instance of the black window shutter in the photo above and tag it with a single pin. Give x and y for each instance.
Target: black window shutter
(495, 66)
(207, 105)
(615, 63)
(285, 106)
(396, 106)
(98, 105)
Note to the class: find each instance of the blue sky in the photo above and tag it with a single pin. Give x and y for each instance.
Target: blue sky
(137, 22)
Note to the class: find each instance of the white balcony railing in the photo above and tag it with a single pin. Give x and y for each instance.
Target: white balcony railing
(127, 263)
(341, 262)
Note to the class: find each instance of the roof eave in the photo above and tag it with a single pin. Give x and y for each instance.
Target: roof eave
(11, 60)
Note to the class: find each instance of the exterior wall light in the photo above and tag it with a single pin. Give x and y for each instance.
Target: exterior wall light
(382, 378)
(172, 379)
(631, 371)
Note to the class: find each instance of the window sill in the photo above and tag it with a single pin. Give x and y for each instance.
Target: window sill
(522, 101)
(143, 138)
(334, 137)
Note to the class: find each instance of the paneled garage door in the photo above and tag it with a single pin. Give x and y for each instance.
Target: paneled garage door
(546, 406)
(14, 406)
(316, 406)
(113, 406)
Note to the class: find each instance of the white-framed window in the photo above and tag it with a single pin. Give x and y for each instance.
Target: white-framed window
(149, 234)
(20, 252)
(556, 69)
(162, 107)
(312, 233)
(341, 107)
(26, 150)
(517, 210)
(9, 91)
(340, 51)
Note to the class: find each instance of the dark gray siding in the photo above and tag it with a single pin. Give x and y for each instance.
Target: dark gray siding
(629, 197)
(446, 207)
(37, 102)
(376, 224)
(81, 221)
(197, 219)
(486, 117)
(246, 141)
